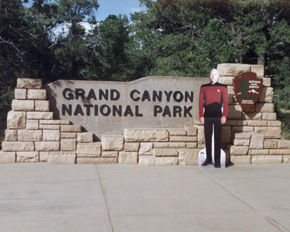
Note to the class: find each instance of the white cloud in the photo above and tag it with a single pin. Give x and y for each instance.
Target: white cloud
(63, 29)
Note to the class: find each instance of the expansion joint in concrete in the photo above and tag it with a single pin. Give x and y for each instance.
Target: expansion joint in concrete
(105, 200)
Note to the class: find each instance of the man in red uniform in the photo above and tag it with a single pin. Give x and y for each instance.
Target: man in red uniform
(213, 111)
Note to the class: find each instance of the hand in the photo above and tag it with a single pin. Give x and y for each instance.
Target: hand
(223, 119)
(201, 120)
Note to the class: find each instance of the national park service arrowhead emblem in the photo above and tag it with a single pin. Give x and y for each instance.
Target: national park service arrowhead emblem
(247, 88)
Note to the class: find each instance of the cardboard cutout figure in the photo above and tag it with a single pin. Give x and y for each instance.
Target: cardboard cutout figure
(213, 111)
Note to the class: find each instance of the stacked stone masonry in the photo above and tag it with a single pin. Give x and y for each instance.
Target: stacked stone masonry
(33, 135)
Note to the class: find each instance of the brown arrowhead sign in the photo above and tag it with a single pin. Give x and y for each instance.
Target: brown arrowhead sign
(247, 88)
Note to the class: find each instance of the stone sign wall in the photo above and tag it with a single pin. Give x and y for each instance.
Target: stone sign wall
(36, 133)
(107, 108)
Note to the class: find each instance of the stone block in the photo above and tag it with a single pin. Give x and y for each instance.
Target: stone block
(171, 144)
(228, 69)
(188, 156)
(29, 83)
(242, 135)
(269, 116)
(267, 82)
(227, 80)
(51, 135)
(269, 132)
(7, 157)
(43, 156)
(231, 123)
(47, 146)
(62, 158)
(85, 137)
(231, 90)
(146, 135)
(32, 124)
(89, 149)
(266, 94)
(200, 146)
(266, 159)
(243, 159)
(36, 94)
(235, 112)
(242, 129)
(183, 138)
(131, 147)
(274, 123)
(200, 134)
(54, 122)
(20, 94)
(28, 156)
(146, 160)
(96, 160)
(39, 115)
(49, 127)
(258, 69)
(176, 131)
(166, 161)
(265, 107)
(242, 122)
(257, 141)
(42, 106)
(68, 135)
(68, 145)
(226, 135)
(22, 105)
(10, 135)
(239, 150)
(127, 158)
(286, 159)
(191, 145)
(284, 144)
(279, 151)
(145, 149)
(251, 116)
(165, 152)
(112, 143)
(110, 154)
(17, 146)
(70, 128)
(29, 135)
(241, 142)
(258, 152)
(257, 123)
(231, 99)
(270, 144)
(191, 130)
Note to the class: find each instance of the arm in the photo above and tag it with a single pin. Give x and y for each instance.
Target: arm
(225, 105)
(201, 103)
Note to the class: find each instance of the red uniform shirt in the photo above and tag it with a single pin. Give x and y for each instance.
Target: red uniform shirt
(213, 100)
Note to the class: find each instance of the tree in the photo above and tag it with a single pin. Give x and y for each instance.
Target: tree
(113, 37)
(71, 51)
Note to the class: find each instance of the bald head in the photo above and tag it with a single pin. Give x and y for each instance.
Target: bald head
(214, 76)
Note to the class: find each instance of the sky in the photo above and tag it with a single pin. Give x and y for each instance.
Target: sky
(116, 7)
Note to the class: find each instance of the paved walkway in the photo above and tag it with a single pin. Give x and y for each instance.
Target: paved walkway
(118, 198)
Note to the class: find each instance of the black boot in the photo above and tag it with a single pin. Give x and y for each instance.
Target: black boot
(206, 162)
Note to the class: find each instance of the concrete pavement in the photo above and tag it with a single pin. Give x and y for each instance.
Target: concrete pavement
(121, 198)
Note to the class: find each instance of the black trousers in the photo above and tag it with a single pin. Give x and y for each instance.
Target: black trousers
(209, 124)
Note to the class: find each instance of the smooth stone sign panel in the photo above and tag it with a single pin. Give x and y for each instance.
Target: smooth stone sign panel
(107, 108)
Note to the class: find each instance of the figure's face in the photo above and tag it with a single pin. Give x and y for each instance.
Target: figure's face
(214, 76)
